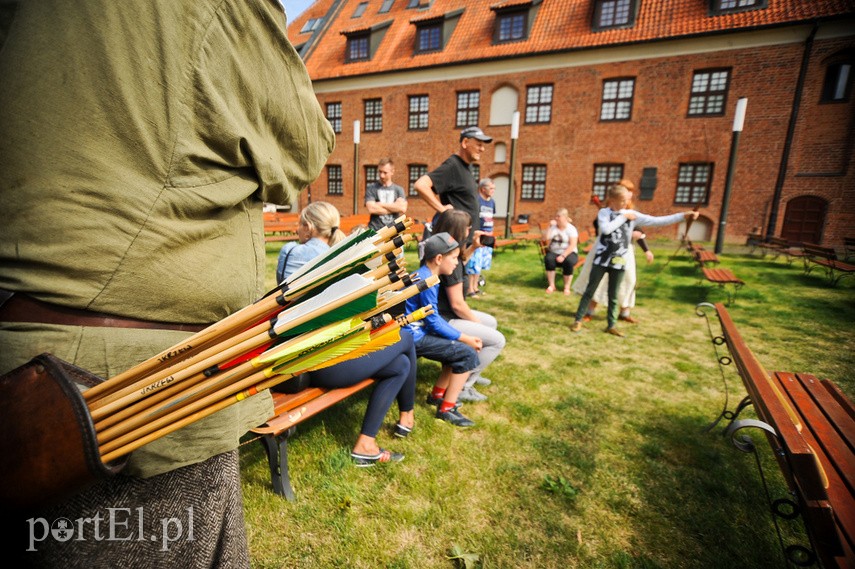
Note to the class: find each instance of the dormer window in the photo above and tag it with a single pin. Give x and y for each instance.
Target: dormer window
(718, 7)
(363, 42)
(514, 19)
(611, 14)
(429, 37)
(433, 32)
(357, 48)
(511, 26)
(386, 6)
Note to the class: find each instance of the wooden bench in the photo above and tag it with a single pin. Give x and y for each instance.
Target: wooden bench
(722, 278)
(810, 426)
(291, 409)
(524, 234)
(275, 231)
(774, 246)
(417, 230)
(693, 248)
(585, 242)
(778, 246)
(826, 257)
(703, 258)
(502, 244)
(350, 222)
(848, 248)
(753, 240)
(280, 227)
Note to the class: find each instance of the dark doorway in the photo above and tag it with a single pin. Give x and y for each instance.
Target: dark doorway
(804, 219)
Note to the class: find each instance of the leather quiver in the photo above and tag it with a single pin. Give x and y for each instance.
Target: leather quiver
(47, 437)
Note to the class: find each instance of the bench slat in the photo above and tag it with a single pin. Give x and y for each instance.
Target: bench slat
(306, 404)
(814, 443)
(818, 411)
(721, 276)
(773, 408)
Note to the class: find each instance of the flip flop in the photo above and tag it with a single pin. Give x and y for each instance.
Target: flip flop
(366, 460)
(401, 431)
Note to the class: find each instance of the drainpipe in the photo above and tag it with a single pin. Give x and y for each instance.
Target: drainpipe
(788, 142)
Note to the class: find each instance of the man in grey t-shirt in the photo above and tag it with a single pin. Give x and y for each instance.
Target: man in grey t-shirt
(384, 200)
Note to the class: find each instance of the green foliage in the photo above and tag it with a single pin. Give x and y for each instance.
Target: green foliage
(463, 560)
(591, 450)
(560, 486)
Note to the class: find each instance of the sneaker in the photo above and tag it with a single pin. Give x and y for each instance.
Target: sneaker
(614, 332)
(471, 395)
(628, 318)
(433, 401)
(454, 417)
(577, 325)
(481, 380)
(366, 460)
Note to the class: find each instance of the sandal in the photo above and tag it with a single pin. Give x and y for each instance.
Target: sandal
(401, 431)
(366, 460)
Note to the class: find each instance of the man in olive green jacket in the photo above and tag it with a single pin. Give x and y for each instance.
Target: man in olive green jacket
(138, 142)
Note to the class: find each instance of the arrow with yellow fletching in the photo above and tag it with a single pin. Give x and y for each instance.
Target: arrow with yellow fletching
(254, 383)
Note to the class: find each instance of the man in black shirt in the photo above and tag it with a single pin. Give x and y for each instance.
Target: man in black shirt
(452, 185)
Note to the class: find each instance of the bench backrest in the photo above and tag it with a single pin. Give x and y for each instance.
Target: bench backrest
(773, 408)
(520, 228)
(350, 222)
(818, 251)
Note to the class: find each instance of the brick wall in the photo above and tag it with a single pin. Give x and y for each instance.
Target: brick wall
(658, 135)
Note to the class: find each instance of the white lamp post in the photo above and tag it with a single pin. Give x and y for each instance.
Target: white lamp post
(738, 121)
(515, 134)
(355, 167)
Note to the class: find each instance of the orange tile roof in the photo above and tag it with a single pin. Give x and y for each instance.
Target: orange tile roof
(559, 25)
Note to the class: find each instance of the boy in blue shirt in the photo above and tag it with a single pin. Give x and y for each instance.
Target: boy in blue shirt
(436, 340)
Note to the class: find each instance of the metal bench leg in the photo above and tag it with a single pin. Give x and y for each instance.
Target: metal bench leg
(277, 459)
(782, 508)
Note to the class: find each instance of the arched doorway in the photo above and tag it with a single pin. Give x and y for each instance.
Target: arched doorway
(700, 230)
(804, 219)
(502, 183)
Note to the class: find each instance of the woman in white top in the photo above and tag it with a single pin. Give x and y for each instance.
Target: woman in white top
(562, 241)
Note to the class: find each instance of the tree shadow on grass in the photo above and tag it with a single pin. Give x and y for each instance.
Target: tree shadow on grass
(689, 472)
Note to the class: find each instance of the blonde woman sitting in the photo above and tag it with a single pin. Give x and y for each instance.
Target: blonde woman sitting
(393, 368)
(562, 249)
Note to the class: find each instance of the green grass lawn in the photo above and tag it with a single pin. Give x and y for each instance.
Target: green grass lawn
(590, 451)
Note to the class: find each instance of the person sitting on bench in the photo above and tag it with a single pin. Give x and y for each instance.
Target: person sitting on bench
(436, 339)
(393, 368)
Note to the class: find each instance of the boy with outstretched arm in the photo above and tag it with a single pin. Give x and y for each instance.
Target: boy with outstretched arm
(615, 224)
(436, 340)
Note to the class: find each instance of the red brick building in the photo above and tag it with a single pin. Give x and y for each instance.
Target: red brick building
(643, 89)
